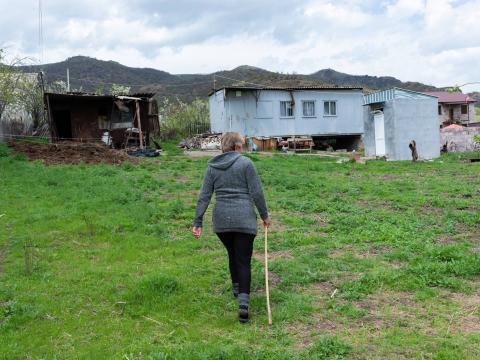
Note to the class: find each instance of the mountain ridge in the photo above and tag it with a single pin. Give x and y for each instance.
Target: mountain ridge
(89, 74)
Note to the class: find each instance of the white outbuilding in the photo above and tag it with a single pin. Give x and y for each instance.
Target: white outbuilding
(394, 118)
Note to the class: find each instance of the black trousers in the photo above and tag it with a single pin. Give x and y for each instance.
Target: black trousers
(239, 247)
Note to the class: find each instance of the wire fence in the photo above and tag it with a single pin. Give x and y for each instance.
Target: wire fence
(175, 129)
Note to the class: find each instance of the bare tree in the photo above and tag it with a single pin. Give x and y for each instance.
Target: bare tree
(19, 92)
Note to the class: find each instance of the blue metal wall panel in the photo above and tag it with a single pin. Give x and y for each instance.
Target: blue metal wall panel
(242, 115)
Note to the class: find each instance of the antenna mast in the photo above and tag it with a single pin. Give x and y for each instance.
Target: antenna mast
(41, 51)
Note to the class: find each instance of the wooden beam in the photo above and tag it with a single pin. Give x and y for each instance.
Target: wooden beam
(139, 120)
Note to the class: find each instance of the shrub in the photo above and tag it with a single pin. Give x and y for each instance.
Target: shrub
(179, 119)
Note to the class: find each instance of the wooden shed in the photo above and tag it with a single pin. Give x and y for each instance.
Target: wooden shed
(88, 117)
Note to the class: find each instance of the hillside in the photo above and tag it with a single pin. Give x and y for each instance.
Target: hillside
(89, 74)
(373, 82)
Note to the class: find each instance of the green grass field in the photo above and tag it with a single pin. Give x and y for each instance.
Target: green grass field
(369, 261)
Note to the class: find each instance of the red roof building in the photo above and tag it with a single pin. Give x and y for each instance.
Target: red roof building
(454, 107)
(451, 98)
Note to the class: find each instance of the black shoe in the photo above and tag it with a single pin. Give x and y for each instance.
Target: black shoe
(243, 313)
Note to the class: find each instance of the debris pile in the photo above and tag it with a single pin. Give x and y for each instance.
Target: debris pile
(70, 153)
(206, 141)
(147, 152)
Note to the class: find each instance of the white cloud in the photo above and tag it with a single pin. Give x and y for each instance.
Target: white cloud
(406, 8)
(432, 41)
(337, 13)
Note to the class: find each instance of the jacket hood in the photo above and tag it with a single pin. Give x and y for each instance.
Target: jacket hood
(225, 160)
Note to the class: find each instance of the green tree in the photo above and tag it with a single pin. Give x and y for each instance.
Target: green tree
(181, 119)
(117, 89)
(9, 81)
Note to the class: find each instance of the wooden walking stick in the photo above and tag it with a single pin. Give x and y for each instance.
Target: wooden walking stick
(267, 290)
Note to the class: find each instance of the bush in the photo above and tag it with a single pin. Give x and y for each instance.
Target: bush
(179, 119)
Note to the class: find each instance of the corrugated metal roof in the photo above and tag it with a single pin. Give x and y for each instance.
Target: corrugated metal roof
(451, 98)
(82, 95)
(390, 94)
(289, 88)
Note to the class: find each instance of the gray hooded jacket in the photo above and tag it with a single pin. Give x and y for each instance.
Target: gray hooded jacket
(237, 188)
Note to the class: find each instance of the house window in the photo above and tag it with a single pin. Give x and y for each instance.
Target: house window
(308, 108)
(464, 109)
(330, 108)
(439, 109)
(286, 109)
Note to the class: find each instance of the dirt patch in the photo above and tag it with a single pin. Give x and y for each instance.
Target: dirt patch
(71, 153)
(371, 252)
(339, 252)
(320, 219)
(272, 255)
(329, 288)
(465, 324)
(394, 300)
(462, 228)
(469, 208)
(474, 238)
(466, 300)
(305, 332)
(390, 177)
(361, 254)
(182, 179)
(364, 203)
(276, 224)
(445, 240)
(325, 288)
(383, 310)
(397, 264)
(467, 319)
(427, 208)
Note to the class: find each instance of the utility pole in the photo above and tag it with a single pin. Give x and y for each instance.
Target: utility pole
(68, 79)
(214, 83)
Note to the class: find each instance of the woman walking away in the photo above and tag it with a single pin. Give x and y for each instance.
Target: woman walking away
(237, 188)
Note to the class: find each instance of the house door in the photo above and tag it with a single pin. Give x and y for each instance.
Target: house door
(379, 133)
(451, 114)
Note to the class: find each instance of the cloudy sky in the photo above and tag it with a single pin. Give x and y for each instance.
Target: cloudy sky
(432, 41)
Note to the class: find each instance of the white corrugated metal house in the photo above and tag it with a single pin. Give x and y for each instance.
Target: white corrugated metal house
(275, 111)
(395, 117)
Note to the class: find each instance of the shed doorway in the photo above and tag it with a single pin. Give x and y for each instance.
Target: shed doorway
(64, 123)
(379, 122)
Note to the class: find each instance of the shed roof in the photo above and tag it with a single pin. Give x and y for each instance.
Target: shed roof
(451, 97)
(289, 88)
(81, 95)
(393, 93)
